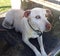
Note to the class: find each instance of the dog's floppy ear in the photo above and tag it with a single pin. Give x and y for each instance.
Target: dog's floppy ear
(50, 16)
(49, 13)
(26, 13)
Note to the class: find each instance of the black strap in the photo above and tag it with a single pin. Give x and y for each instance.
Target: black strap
(37, 31)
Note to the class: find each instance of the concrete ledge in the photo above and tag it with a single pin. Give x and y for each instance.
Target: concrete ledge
(48, 4)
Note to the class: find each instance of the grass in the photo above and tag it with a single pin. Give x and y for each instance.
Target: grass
(4, 5)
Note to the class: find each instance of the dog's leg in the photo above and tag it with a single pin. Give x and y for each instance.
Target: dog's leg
(40, 40)
(32, 47)
(8, 21)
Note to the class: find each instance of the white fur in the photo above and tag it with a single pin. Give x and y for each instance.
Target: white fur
(21, 24)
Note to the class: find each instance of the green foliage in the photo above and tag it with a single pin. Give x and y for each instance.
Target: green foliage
(4, 5)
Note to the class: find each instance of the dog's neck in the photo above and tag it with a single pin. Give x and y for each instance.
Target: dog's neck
(29, 31)
(37, 31)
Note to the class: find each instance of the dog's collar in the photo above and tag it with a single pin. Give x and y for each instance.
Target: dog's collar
(37, 31)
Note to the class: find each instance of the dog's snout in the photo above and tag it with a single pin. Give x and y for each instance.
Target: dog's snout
(48, 26)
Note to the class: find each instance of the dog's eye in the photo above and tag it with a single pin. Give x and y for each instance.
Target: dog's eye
(46, 15)
(37, 17)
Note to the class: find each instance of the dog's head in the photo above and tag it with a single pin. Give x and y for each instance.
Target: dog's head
(38, 18)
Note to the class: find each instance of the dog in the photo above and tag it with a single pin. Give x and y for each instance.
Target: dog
(31, 23)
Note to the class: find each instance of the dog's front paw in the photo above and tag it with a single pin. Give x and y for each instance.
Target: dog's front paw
(38, 54)
(44, 55)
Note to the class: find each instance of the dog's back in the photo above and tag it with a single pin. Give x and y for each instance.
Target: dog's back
(13, 17)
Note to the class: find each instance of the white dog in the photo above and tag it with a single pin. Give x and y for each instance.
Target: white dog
(31, 23)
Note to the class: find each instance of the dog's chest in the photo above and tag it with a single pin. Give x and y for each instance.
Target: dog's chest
(32, 34)
(24, 27)
(29, 32)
